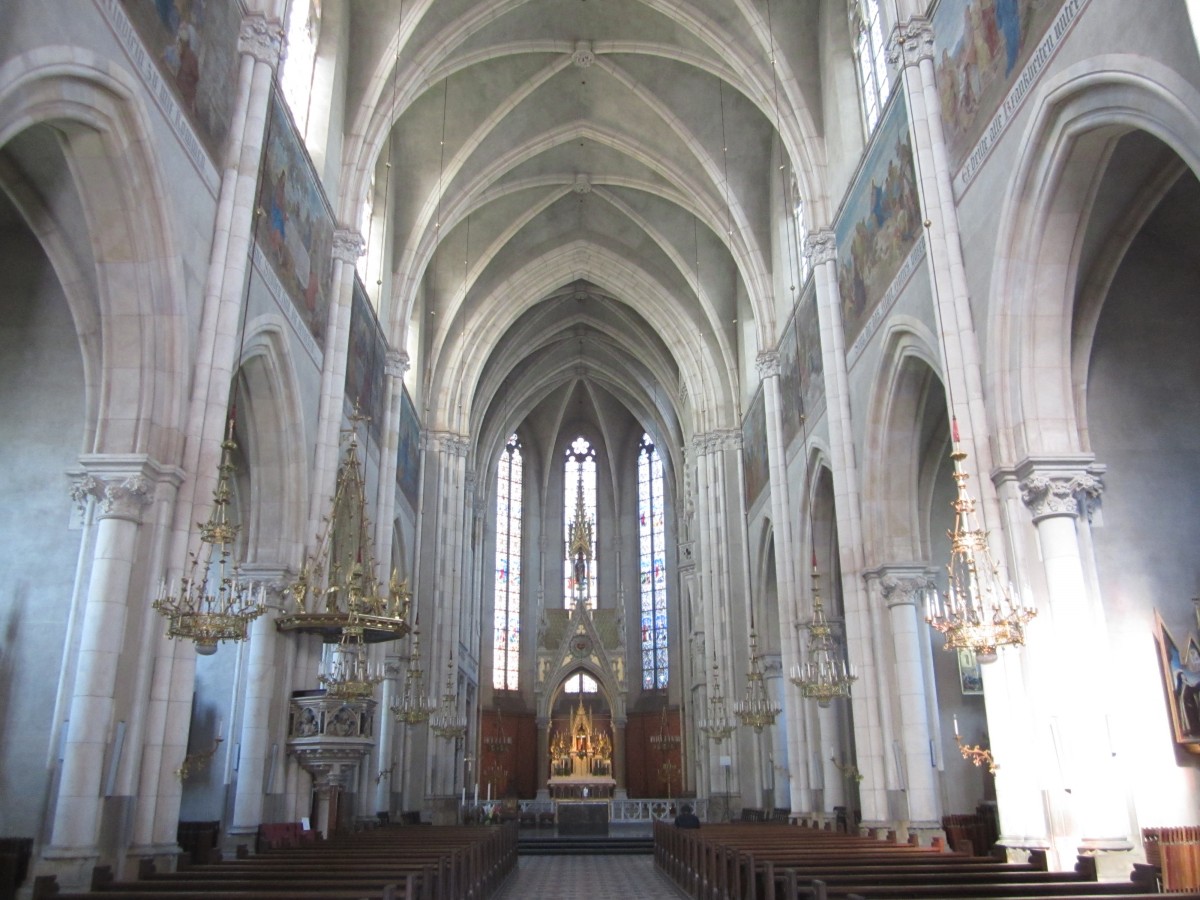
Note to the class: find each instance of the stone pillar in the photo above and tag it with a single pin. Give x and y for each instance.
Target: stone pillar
(902, 587)
(167, 713)
(620, 791)
(347, 248)
(259, 712)
(861, 644)
(122, 491)
(1056, 491)
(385, 735)
(385, 504)
(543, 757)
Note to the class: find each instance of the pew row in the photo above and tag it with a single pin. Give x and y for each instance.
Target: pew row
(387, 863)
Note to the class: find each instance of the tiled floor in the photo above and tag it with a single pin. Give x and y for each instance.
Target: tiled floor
(588, 878)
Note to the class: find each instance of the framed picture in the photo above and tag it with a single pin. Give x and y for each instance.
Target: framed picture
(1181, 679)
(970, 677)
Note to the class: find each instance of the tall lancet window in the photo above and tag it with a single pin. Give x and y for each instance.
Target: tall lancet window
(506, 651)
(579, 513)
(296, 76)
(651, 536)
(866, 30)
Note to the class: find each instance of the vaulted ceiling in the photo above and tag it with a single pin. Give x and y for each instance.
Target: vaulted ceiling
(581, 191)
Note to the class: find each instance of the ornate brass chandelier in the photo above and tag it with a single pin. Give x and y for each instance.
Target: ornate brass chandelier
(349, 675)
(448, 722)
(336, 590)
(214, 602)
(716, 723)
(979, 610)
(415, 705)
(756, 709)
(825, 676)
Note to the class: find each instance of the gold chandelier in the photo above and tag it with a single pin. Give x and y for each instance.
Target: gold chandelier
(756, 709)
(349, 676)
(414, 706)
(214, 602)
(825, 676)
(448, 722)
(716, 723)
(336, 589)
(979, 611)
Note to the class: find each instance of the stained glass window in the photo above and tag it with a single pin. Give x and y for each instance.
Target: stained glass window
(580, 683)
(506, 651)
(873, 81)
(580, 463)
(651, 537)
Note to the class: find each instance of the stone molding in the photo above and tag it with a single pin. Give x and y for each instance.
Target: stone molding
(821, 247)
(583, 57)
(122, 485)
(261, 38)
(718, 439)
(767, 364)
(348, 245)
(911, 42)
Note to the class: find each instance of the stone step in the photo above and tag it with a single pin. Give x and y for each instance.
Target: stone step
(584, 846)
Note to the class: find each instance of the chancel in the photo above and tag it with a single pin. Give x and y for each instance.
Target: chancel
(543, 414)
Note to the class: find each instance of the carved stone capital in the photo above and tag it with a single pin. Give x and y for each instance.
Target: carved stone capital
(126, 498)
(820, 247)
(1059, 493)
(911, 42)
(348, 245)
(261, 38)
(906, 589)
(85, 488)
(448, 442)
(397, 363)
(767, 363)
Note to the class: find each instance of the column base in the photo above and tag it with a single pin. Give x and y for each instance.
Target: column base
(1113, 857)
(444, 810)
(925, 833)
(877, 830)
(71, 866)
(164, 856)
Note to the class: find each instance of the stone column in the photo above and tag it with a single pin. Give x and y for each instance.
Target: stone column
(347, 248)
(861, 646)
(385, 504)
(620, 791)
(902, 587)
(1056, 491)
(543, 757)
(259, 712)
(385, 735)
(122, 489)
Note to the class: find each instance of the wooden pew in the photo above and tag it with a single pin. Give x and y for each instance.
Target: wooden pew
(389, 862)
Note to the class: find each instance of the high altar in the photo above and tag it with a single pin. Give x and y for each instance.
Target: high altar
(581, 759)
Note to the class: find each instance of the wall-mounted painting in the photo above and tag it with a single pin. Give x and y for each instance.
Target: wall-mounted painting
(979, 46)
(879, 222)
(194, 43)
(297, 232)
(408, 451)
(754, 448)
(801, 368)
(366, 381)
(970, 676)
(1181, 677)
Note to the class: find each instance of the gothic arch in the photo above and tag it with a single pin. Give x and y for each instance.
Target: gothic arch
(1079, 118)
(137, 398)
(893, 528)
(271, 417)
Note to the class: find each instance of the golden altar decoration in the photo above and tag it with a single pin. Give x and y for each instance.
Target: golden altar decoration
(581, 758)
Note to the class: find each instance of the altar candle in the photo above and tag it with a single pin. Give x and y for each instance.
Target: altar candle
(489, 792)
(477, 793)
(956, 725)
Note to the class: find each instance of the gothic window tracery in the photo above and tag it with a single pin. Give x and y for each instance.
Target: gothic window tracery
(506, 648)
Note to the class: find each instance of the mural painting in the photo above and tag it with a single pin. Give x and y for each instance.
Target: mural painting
(297, 233)
(194, 43)
(1181, 680)
(408, 451)
(801, 369)
(979, 47)
(879, 222)
(754, 448)
(366, 365)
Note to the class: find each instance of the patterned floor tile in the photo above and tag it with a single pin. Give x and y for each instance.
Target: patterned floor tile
(588, 878)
